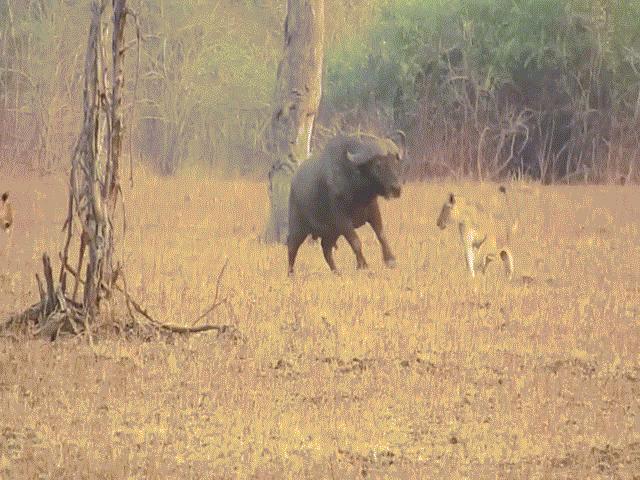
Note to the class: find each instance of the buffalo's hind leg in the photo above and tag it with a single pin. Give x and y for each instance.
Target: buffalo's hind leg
(294, 240)
(375, 220)
(327, 249)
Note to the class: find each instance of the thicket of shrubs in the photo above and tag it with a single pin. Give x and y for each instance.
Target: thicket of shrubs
(483, 88)
(546, 88)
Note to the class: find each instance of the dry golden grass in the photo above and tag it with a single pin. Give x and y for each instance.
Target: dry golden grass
(417, 372)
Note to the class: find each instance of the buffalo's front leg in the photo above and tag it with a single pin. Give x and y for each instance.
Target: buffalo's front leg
(327, 250)
(375, 220)
(356, 245)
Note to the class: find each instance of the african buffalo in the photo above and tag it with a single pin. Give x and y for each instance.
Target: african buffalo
(335, 192)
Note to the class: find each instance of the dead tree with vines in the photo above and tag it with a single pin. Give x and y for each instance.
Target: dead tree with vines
(94, 197)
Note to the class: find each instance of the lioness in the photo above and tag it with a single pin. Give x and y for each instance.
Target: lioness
(477, 230)
(6, 218)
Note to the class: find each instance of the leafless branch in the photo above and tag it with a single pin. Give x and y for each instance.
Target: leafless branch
(216, 303)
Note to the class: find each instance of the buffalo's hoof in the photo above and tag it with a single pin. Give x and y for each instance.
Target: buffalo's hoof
(391, 262)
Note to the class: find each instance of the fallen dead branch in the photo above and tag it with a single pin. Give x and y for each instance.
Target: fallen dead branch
(215, 303)
(137, 308)
(56, 313)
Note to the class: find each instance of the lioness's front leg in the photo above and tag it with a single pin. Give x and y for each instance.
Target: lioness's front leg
(467, 236)
(507, 260)
(469, 242)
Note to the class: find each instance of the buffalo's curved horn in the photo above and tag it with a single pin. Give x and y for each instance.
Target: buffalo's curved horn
(402, 136)
(402, 143)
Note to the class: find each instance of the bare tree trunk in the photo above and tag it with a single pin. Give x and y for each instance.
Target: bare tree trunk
(111, 185)
(297, 96)
(84, 175)
(94, 173)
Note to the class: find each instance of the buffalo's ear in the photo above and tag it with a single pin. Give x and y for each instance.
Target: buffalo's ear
(358, 158)
(452, 199)
(400, 139)
(5, 195)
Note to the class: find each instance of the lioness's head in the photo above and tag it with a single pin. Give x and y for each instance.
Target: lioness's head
(6, 212)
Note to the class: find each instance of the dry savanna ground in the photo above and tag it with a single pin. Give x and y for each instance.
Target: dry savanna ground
(416, 372)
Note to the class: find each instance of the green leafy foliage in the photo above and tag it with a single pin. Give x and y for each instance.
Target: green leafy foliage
(486, 58)
(382, 66)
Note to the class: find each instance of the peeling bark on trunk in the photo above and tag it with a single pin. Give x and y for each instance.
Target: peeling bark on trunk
(102, 186)
(85, 177)
(94, 171)
(111, 185)
(296, 100)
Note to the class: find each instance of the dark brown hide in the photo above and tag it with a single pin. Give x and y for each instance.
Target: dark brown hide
(336, 191)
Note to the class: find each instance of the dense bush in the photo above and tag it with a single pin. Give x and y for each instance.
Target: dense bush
(542, 87)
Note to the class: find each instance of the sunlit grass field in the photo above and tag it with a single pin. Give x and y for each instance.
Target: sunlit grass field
(415, 372)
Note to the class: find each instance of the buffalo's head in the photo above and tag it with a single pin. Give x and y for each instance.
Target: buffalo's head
(380, 160)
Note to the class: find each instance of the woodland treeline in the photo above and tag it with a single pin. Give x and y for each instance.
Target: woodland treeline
(483, 88)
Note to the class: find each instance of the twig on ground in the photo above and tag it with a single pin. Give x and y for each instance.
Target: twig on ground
(216, 303)
(159, 325)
